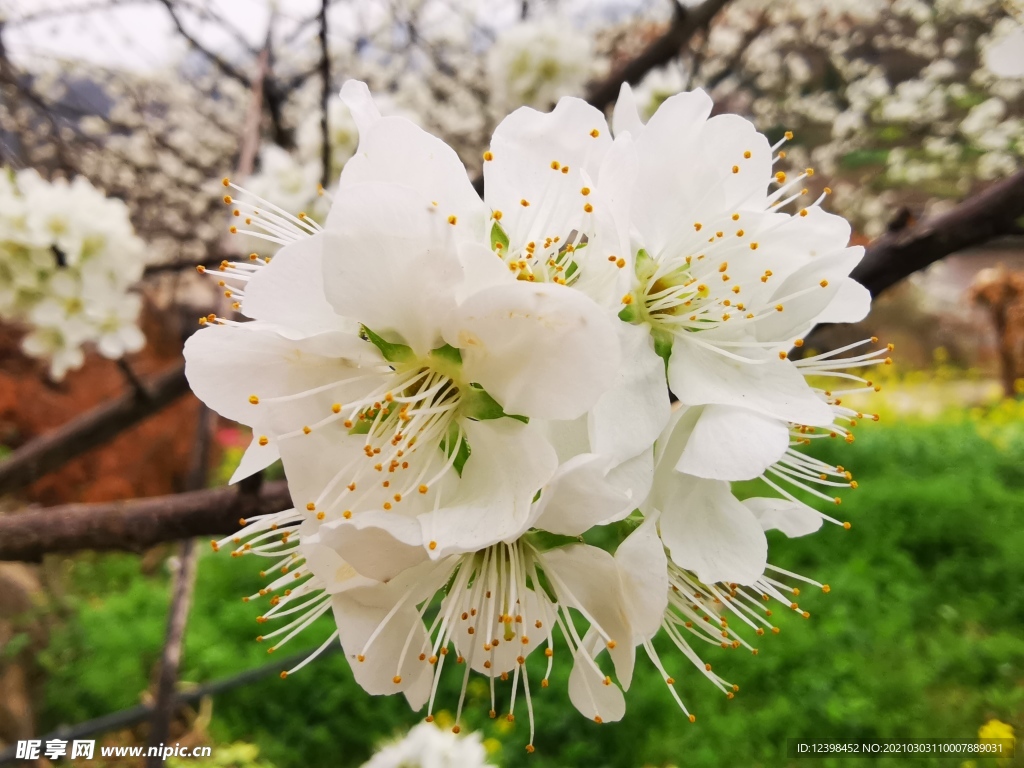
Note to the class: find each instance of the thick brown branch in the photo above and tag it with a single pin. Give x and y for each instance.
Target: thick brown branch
(134, 525)
(93, 428)
(685, 24)
(993, 213)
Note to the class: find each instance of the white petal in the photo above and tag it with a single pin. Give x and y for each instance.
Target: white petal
(708, 531)
(541, 350)
(225, 365)
(685, 163)
(380, 545)
(289, 292)
(851, 304)
(699, 376)
(731, 443)
(590, 695)
(509, 461)
(790, 517)
(357, 98)
(801, 312)
(255, 458)
(524, 146)
(587, 578)
(360, 612)
(330, 568)
(579, 497)
(391, 263)
(394, 150)
(625, 116)
(644, 568)
(1005, 58)
(629, 417)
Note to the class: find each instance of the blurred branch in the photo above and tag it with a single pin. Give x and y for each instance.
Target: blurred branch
(181, 599)
(686, 22)
(221, 63)
(93, 428)
(325, 93)
(994, 212)
(136, 524)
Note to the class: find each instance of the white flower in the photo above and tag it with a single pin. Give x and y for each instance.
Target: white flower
(69, 255)
(455, 348)
(536, 62)
(727, 289)
(427, 746)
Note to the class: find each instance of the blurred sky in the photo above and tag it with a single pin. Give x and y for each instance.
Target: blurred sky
(140, 34)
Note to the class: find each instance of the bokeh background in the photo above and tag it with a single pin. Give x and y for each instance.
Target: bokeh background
(903, 107)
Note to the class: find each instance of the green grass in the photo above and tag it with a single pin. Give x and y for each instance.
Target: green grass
(920, 637)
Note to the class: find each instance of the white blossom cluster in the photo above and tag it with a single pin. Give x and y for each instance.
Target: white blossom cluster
(68, 257)
(463, 390)
(905, 95)
(427, 746)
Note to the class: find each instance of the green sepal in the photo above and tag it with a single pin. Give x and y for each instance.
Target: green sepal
(662, 344)
(361, 427)
(447, 360)
(393, 353)
(480, 406)
(498, 236)
(630, 313)
(449, 445)
(545, 540)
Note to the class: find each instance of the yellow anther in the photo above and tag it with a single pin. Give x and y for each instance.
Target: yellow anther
(782, 355)
(778, 307)
(453, 219)
(723, 266)
(555, 165)
(585, 191)
(595, 133)
(780, 176)
(496, 215)
(306, 430)
(347, 514)
(735, 169)
(565, 169)
(798, 343)
(823, 283)
(627, 299)
(789, 135)
(697, 226)
(753, 246)
(525, 203)
(433, 546)
(809, 171)
(254, 400)
(588, 208)
(620, 263)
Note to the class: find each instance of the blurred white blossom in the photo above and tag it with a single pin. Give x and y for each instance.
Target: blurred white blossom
(68, 256)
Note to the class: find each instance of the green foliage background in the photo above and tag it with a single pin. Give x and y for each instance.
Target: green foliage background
(922, 635)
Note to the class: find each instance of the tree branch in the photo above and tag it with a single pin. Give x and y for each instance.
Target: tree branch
(136, 524)
(221, 63)
(686, 22)
(93, 428)
(994, 212)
